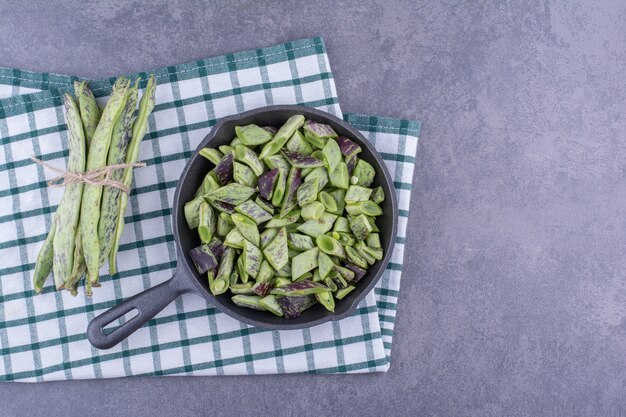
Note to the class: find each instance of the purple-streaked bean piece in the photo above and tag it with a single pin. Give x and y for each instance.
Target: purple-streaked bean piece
(262, 288)
(319, 130)
(254, 211)
(203, 258)
(270, 129)
(277, 252)
(216, 246)
(298, 144)
(358, 272)
(351, 163)
(266, 183)
(348, 148)
(294, 179)
(300, 288)
(222, 206)
(302, 161)
(224, 170)
(294, 306)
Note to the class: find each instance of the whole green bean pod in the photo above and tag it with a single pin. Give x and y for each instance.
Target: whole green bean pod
(90, 209)
(120, 138)
(44, 259)
(89, 110)
(68, 211)
(78, 267)
(146, 105)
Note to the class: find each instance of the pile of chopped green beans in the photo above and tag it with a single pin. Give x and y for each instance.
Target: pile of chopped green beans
(89, 221)
(287, 218)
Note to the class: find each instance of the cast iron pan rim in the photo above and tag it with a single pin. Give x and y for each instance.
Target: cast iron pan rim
(199, 288)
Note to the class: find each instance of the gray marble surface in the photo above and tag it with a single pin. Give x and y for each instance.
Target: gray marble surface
(513, 300)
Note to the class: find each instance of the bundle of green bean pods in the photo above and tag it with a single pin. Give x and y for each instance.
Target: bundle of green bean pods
(287, 218)
(89, 221)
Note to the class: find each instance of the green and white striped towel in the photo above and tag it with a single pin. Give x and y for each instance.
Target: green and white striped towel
(42, 337)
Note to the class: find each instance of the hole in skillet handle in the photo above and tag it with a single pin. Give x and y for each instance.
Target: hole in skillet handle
(117, 323)
(221, 134)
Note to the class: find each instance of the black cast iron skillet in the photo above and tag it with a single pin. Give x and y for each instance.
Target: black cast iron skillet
(186, 278)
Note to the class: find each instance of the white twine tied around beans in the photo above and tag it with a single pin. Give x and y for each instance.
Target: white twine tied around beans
(98, 176)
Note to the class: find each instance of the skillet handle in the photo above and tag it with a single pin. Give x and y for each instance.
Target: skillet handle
(148, 303)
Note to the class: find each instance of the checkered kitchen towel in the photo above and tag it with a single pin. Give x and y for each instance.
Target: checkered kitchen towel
(42, 337)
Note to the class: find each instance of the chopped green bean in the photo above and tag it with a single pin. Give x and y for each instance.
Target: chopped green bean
(307, 192)
(312, 211)
(244, 175)
(290, 218)
(250, 158)
(253, 135)
(332, 155)
(277, 162)
(341, 225)
(319, 173)
(212, 155)
(192, 212)
(378, 196)
(330, 205)
(282, 136)
(279, 188)
(340, 177)
(330, 246)
(206, 223)
(224, 224)
(265, 205)
(281, 282)
(276, 252)
(293, 182)
(252, 258)
(232, 193)
(304, 262)
(326, 299)
(299, 288)
(243, 274)
(360, 226)
(355, 257)
(234, 239)
(252, 210)
(298, 144)
(248, 301)
(267, 236)
(373, 240)
(226, 149)
(299, 242)
(243, 289)
(357, 193)
(343, 292)
(247, 227)
(270, 304)
(209, 183)
(364, 172)
(325, 265)
(369, 208)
